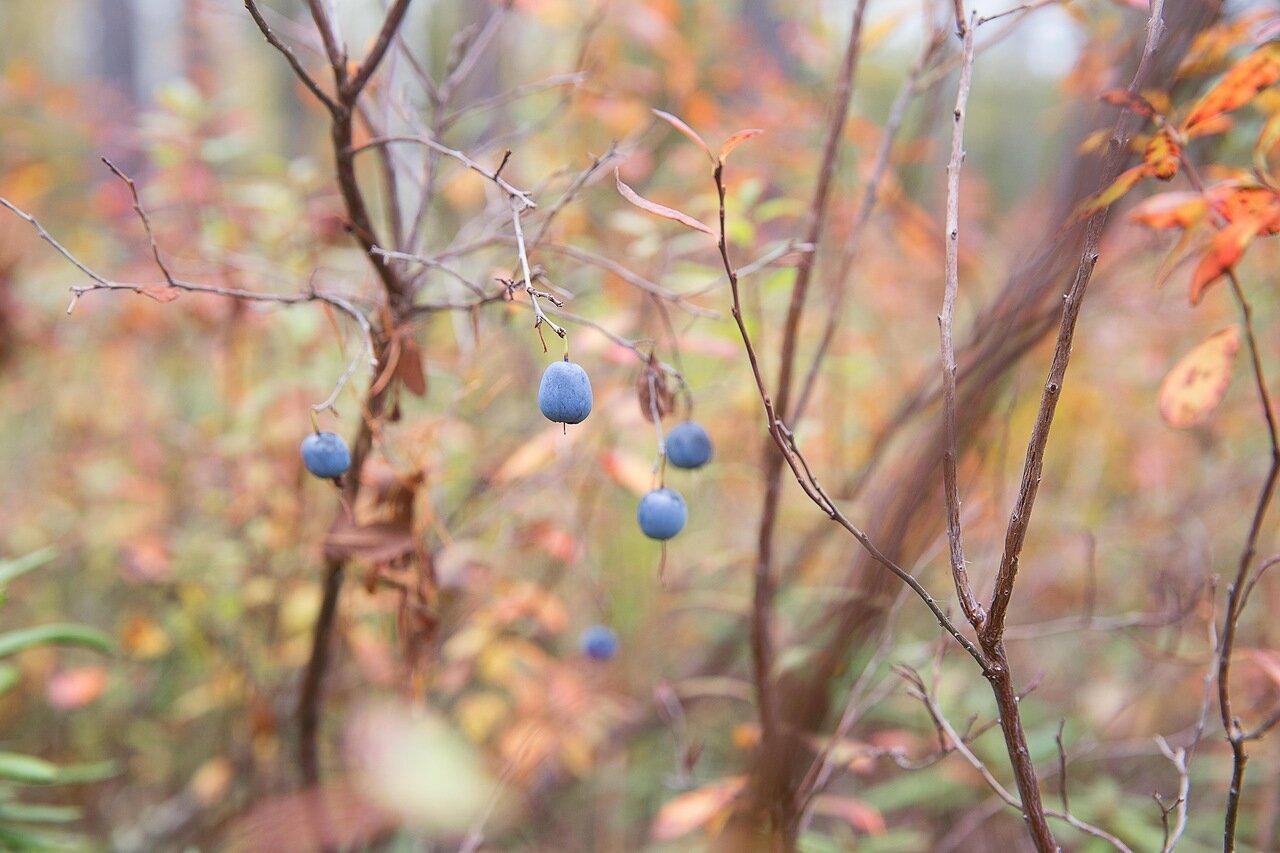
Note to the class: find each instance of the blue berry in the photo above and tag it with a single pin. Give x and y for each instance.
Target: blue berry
(599, 642)
(662, 513)
(564, 396)
(688, 446)
(325, 454)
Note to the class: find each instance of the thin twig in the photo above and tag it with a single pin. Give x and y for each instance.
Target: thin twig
(292, 58)
(513, 192)
(950, 451)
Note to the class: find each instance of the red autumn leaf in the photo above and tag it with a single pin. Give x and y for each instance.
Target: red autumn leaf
(1198, 382)
(737, 139)
(1109, 196)
(1257, 71)
(685, 129)
(1130, 101)
(1226, 248)
(658, 209)
(1170, 210)
(160, 292)
(1162, 154)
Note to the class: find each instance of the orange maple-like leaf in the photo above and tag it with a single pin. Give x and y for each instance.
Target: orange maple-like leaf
(1257, 71)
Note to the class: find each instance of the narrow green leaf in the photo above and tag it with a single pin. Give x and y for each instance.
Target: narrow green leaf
(9, 676)
(27, 768)
(10, 569)
(95, 772)
(56, 634)
(34, 813)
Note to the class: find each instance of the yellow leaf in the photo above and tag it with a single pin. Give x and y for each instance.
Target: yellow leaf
(1199, 381)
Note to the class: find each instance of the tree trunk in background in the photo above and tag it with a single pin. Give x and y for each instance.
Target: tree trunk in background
(118, 46)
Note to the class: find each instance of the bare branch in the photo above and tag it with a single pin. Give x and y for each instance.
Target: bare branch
(292, 58)
(390, 25)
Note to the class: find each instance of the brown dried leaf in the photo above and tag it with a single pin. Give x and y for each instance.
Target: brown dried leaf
(1133, 102)
(737, 139)
(679, 125)
(1198, 382)
(658, 209)
(653, 393)
(378, 543)
(160, 292)
(410, 368)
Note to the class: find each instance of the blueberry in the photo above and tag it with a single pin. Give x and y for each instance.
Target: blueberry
(565, 393)
(662, 513)
(599, 642)
(325, 454)
(688, 446)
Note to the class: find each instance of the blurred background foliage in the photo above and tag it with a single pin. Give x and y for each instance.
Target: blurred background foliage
(155, 445)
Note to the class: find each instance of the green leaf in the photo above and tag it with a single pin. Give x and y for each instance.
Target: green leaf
(27, 768)
(28, 840)
(56, 634)
(33, 813)
(94, 772)
(10, 569)
(9, 676)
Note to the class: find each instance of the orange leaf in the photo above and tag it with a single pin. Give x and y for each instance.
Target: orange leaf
(863, 817)
(1257, 71)
(685, 129)
(1236, 202)
(1130, 101)
(658, 209)
(1162, 154)
(1109, 196)
(737, 139)
(1170, 210)
(694, 809)
(1198, 382)
(1225, 250)
(627, 471)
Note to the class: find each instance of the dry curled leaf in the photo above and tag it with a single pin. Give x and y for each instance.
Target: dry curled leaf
(1130, 101)
(1162, 154)
(160, 292)
(737, 139)
(1198, 382)
(652, 392)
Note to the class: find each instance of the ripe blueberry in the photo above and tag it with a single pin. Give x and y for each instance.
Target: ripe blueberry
(564, 395)
(688, 446)
(599, 642)
(662, 513)
(325, 454)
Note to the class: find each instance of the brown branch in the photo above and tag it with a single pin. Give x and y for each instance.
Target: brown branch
(1015, 535)
(390, 26)
(950, 443)
(462, 158)
(307, 80)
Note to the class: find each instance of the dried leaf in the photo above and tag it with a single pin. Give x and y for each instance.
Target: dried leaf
(334, 816)
(685, 129)
(1257, 71)
(409, 369)
(1162, 154)
(1130, 101)
(695, 809)
(652, 392)
(160, 292)
(1226, 248)
(1111, 194)
(862, 816)
(737, 139)
(378, 543)
(1170, 210)
(658, 209)
(1198, 382)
